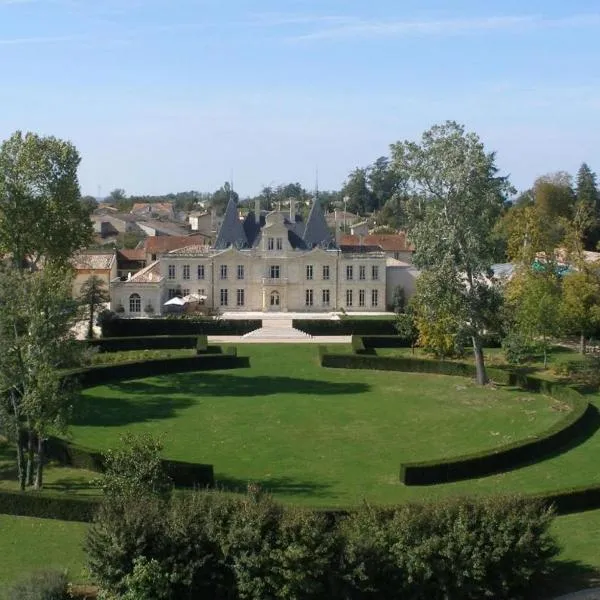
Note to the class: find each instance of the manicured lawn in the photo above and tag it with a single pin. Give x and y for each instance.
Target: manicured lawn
(28, 544)
(319, 436)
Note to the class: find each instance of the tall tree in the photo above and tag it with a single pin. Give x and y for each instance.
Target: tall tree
(40, 210)
(92, 294)
(554, 195)
(220, 198)
(36, 343)
(587, 193)
(383, 182)
(357, 191)
(459, 196)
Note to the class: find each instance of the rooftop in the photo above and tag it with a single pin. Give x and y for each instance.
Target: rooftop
(389, 242)
(93, 260)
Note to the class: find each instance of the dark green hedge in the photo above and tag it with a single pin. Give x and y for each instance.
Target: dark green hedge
(385, 341)
(571, 500)
(152, 342)
(98, 374)
(48, 506)
(177, 326)
(345, 326)
(182, 474)
(572, 426)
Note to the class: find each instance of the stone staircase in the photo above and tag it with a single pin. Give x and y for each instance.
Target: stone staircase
(277, 328)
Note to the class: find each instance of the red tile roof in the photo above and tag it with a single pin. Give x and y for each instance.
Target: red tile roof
(132, 254)
(389, 242)
(166, 243)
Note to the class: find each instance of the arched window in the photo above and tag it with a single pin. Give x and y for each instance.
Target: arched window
(135, 303)
(274, 299)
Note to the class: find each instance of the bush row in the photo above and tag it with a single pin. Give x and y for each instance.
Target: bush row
(48, 506)
(182, 474)
(573, 426)
(219, 547)
(99, 374)
(345, 326)
(118, 327)
(152, 342)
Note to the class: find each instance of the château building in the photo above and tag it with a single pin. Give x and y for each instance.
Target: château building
(269, 261)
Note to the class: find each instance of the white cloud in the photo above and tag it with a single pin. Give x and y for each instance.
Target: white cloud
(367, 29)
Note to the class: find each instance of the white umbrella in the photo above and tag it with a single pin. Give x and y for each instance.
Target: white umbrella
(176, 301)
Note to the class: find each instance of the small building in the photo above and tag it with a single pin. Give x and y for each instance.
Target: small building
(100, 264)
(395, 245)
(163, 210)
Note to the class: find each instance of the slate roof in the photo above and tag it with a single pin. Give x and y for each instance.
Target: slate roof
(232, 231)
(317, 232)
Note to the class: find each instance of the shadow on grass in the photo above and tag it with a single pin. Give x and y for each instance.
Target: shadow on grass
(72, 485)
(145, 400)
(285, 486)
(8, 461)
(568, 576)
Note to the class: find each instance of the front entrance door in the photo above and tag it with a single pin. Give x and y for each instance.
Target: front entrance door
(274, 301)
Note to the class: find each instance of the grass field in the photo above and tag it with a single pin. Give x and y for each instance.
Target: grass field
(318, 436)
(28, 544)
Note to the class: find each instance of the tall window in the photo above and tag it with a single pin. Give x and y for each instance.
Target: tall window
(279, 243)
(135, 303)
(201, 292)
(240, 271)
(223, 271)
(240, 298)
(224, 299)
(274, 272)
(325, 297)
(325, 272)
(374, 297)
(270, 243)
(349, 273)
(309, 298)
(362, 272)
(374, 272)
(186, 271)
(309, 272)
(172, 292)
(200, 271)
(348, 297)
(185, 291)
(171, 271)
(361, 297)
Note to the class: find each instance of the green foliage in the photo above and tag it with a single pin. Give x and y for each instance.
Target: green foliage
(148, 580)
(39, 585)
(517, 347)
(135, 469)
(40, 210)
(398, 299)
(92, 294)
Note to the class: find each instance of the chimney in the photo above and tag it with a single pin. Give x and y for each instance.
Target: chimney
(257, 210)
(292, 210)
(213, 219)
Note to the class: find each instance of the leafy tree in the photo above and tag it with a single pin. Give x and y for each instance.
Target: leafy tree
(587, 194)
(383, 182)
(457, 199)
(356, 189)
(553, 195)
(534, 299)
(92, 294)
(36, 342)
(89, 203)
(221, 197)
(40, 210)
(135, 469)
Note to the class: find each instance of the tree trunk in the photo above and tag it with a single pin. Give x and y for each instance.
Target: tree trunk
(582, 343)
(39, 467)
(30, 457)
(91, 323)
(20, 457)
(481, 375)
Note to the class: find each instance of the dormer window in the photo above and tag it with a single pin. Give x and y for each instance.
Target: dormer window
(279, 242)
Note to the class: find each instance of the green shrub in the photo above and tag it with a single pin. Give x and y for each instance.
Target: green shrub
(39, 585)
(517, 348)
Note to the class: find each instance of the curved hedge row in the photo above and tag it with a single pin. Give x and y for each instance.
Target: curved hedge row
(98, 374)
(578, 422)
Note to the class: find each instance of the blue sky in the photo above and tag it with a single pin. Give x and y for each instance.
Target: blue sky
(170, 95)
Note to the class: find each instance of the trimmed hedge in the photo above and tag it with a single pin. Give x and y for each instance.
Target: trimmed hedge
(182, 474)
(48, 506)
(345, 326)
(571, 500)
(98, 374)
(574, 425)
(180, 326)
(385, 341)
(150, 342)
